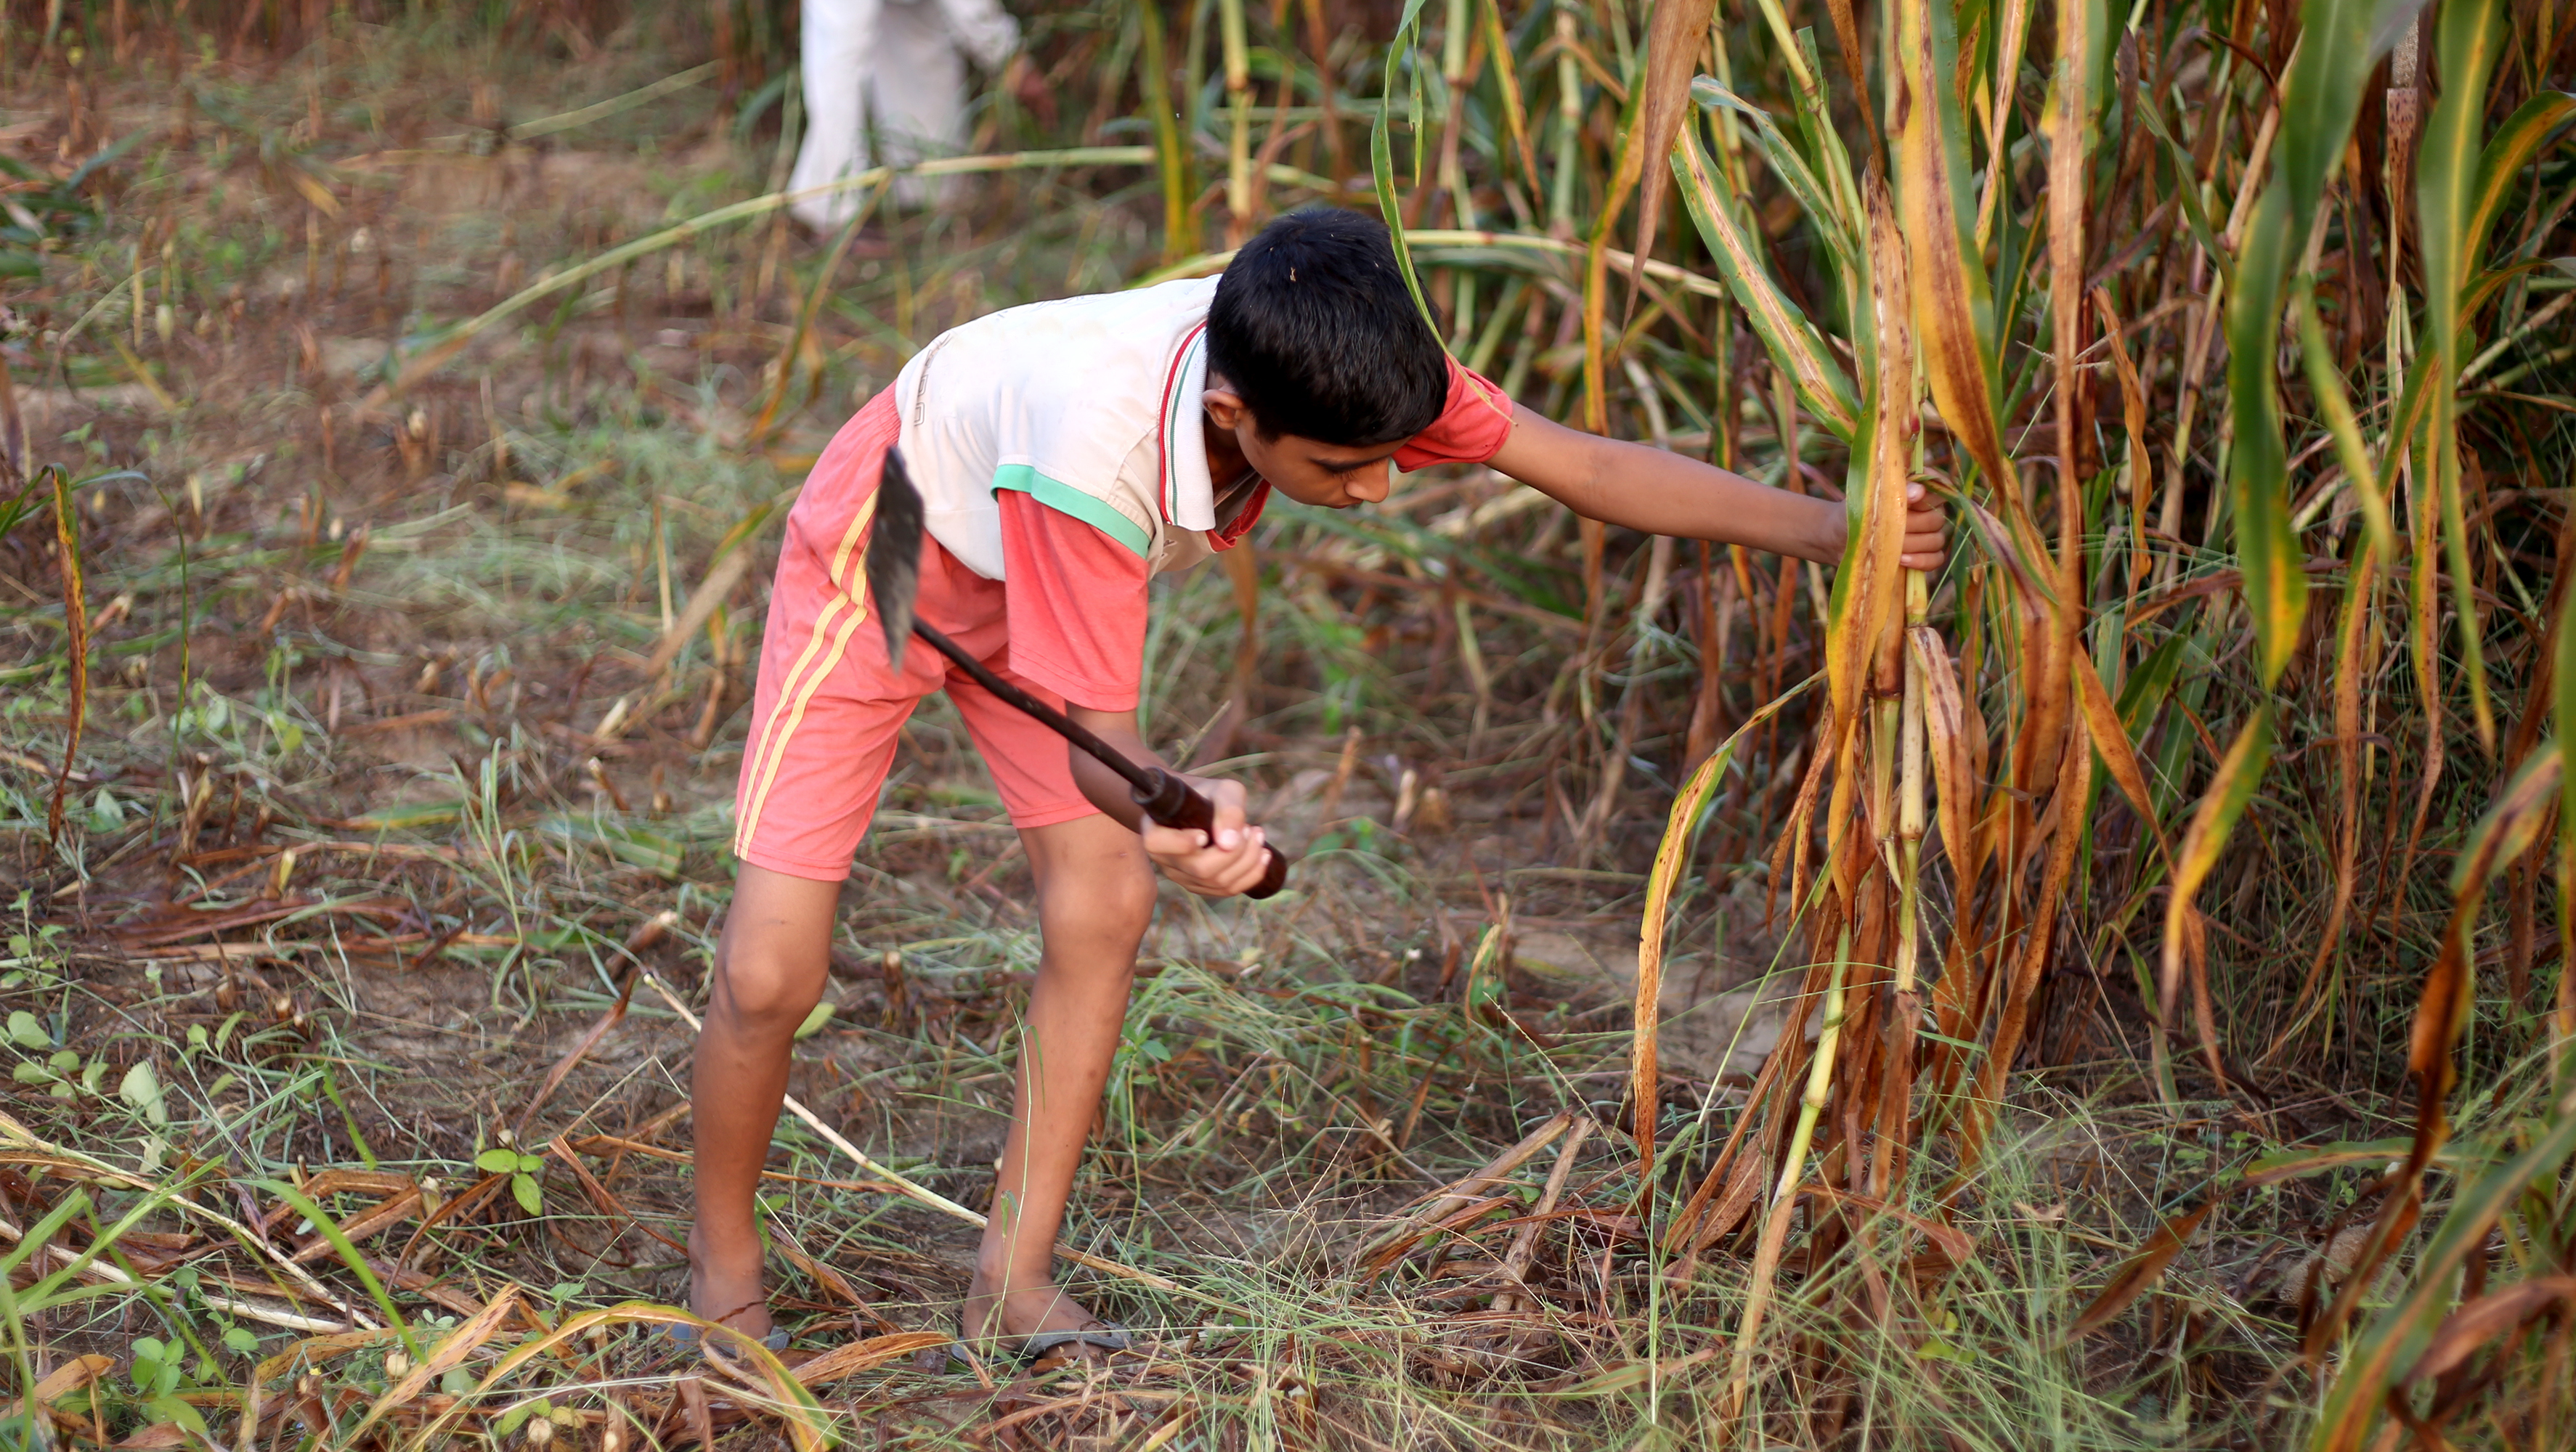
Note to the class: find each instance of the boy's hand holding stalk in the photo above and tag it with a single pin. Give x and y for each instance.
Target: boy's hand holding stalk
(1659, 492)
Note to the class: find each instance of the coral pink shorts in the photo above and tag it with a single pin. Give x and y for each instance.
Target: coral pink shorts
(829, 707)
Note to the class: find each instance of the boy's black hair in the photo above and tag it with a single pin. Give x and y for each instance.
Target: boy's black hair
(1315, 329)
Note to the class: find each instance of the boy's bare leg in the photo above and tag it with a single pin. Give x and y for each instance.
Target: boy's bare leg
(1095, 898)
(769, 973)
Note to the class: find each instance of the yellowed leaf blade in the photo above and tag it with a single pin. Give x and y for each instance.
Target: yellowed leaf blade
(1951, 304)
(2442, 1008)
(1791, 340)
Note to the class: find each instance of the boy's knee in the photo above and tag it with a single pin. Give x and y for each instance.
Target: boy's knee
(1107, 895)
(761, 989)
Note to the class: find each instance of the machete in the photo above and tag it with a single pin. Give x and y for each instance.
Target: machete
(894, 579)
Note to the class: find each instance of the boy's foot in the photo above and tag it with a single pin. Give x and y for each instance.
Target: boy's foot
(727, 1289)
(1031, 1311)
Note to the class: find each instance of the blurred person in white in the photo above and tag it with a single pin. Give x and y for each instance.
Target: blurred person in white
(905, 61)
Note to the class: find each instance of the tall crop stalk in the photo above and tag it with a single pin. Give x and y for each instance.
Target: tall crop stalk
(2042, 213)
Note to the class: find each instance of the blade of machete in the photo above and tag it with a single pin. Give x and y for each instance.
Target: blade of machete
(894, 554)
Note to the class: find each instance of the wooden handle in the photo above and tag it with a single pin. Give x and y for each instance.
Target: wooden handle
(1171, 802)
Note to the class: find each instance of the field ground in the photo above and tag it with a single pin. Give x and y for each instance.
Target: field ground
(406, 782)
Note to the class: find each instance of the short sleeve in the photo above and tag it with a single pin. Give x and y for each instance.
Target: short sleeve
(1074, 602)
(1472, 427)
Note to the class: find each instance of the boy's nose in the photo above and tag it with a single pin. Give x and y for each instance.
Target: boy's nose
(1371, 486)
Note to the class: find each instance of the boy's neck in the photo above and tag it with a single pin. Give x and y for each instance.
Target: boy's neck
(1226, 464)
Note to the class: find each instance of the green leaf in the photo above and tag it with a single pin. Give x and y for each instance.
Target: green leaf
(2143, 693)
(242, 1339)
(329, 1229)
(1382, 161)
(815, 1021)
(31, 1072)
(1936, 1349)
(497, 1161)
(1786, 164)
(2512, 147)
(2340, 42)
(2563, 716)
(635, 846)
(2276, 587)
(414, 814)
(524, 1189)
(26, 1032)
(513, 1419)
(142, 1090)
(2446, 175)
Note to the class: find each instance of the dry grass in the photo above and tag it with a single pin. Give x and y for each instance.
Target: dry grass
(406, 426)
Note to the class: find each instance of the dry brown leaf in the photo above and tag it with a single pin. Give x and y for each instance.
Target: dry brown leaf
(449, 1353)
(2111, 739)
(2472, 1326)
(859, 1356)
(62, 1381)
(1673, 42)
(2140, 1271)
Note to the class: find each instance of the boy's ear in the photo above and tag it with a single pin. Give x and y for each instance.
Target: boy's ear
(1226, 407)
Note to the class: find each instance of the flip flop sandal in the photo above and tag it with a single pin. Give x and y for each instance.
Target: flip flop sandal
(690, 1338)
(1104, 1335)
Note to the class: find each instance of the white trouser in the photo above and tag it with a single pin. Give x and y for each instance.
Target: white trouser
(902, 60)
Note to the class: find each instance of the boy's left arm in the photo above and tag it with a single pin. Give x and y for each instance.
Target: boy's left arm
(1649, 489)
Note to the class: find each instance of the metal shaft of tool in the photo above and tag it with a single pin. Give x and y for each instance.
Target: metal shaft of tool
(1108, 755)
(1163, 796)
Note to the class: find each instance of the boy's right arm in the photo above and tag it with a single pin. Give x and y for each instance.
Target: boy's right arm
(1076, 602)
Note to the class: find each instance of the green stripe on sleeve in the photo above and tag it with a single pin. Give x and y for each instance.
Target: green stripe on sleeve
(1063, 498)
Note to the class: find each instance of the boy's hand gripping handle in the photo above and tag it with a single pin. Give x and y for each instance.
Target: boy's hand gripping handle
(1171, 802)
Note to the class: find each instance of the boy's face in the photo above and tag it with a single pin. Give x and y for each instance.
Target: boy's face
(1310, 471)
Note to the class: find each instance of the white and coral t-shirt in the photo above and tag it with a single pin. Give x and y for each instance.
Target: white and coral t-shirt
(1058, 449)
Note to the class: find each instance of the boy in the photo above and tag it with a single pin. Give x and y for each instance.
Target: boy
(1065, 452)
